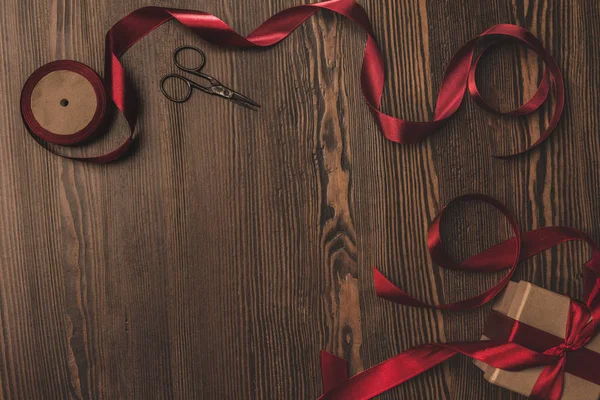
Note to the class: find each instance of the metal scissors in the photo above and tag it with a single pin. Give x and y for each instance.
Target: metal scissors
(215, 87)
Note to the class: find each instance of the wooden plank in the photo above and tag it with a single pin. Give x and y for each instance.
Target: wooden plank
(231, 246)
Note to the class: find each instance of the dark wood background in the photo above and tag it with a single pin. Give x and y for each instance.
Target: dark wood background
(231, 247)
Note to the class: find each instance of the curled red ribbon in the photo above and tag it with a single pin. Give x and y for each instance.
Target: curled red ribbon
(513, 345)
(459, 76)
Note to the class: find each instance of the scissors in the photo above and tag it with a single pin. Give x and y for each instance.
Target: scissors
(215, 87)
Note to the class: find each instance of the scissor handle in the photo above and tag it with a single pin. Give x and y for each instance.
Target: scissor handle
(183, 67)
(173, 98)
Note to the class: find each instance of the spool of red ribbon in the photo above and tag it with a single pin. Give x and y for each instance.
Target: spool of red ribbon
(64, 103)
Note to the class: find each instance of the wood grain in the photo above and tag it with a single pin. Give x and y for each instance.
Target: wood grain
(231, 247)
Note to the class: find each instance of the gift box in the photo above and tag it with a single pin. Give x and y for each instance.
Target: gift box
(548, 312)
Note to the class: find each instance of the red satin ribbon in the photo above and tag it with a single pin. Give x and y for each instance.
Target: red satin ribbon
(459, 76)
(514, 345)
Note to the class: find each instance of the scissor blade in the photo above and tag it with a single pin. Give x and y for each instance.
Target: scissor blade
(244, 101)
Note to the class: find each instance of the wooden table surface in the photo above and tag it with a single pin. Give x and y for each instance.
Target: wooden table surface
(232, 246)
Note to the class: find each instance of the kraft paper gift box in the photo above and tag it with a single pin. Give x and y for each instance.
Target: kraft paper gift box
(547, 311)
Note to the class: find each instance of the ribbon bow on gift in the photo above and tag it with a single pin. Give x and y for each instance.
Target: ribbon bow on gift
(580, 331)
(570, 354)
(513, 345)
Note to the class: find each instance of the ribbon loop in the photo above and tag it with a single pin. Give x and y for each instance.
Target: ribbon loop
(507, 257)
(530, 106)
